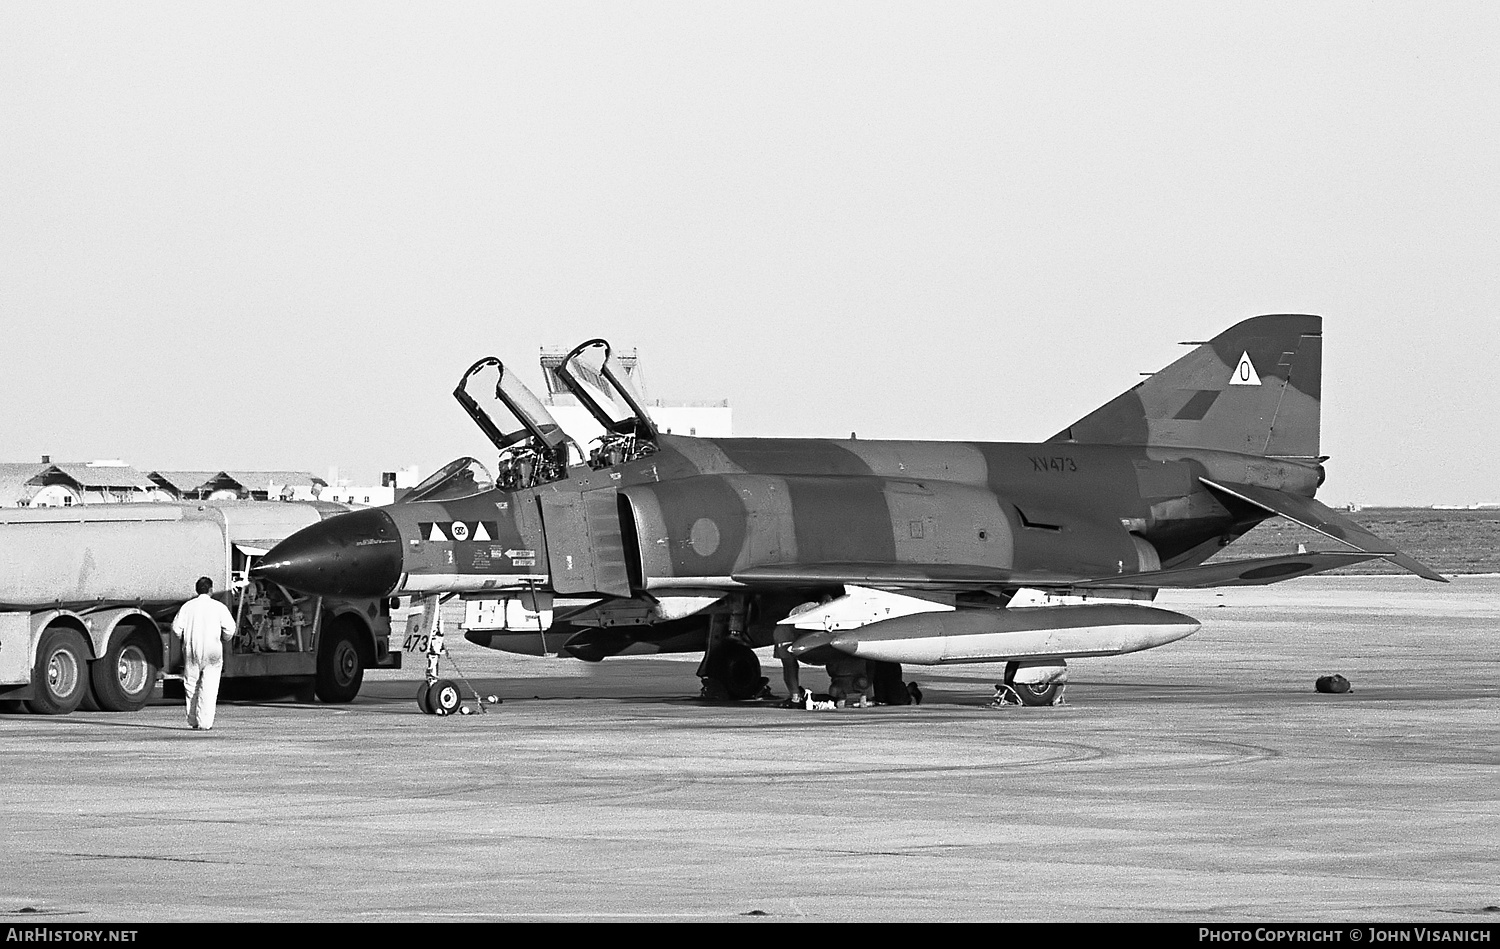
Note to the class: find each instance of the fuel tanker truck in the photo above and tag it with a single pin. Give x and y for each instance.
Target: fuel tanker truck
(88, 593)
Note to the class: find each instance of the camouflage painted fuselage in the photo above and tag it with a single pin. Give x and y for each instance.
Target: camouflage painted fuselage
(1134, 496)
(698, 513)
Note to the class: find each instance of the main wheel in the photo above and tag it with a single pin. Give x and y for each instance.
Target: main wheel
(341, 669)
(737, 669)
(58, 680)
(1036, 693)
(444, 697)
(124, 677)
(889, 688)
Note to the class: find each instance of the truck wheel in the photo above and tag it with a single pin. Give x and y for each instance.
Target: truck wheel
(124, 677)
(59, 680)
(341, 670)
(305, 689)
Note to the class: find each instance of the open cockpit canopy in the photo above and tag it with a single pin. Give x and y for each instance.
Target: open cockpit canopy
(593, 375)
(514, 413)
(601, 386)
(533, 447)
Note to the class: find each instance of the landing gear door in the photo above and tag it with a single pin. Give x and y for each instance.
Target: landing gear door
(585, 552)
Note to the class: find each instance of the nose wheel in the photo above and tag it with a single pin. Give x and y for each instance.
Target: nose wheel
(444, 697)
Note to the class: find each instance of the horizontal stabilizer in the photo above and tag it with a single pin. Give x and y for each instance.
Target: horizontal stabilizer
(947, 576)
(1319, 517)
(1256, 571)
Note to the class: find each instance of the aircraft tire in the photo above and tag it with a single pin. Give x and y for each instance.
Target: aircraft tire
(444, 697)
(60, 677)
(124, 677)
(1033, 694)
(422, 691)
(737, 669)
(890, 689)
(341, 667)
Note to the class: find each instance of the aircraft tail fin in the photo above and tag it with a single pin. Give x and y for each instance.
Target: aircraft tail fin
(1254, 388)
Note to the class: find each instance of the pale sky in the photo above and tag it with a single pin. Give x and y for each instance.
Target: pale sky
(268, 235)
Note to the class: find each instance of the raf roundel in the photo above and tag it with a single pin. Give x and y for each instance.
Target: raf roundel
(704, 537)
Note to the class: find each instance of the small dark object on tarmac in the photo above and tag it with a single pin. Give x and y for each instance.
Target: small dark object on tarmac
(1333, 685)
(914, 692)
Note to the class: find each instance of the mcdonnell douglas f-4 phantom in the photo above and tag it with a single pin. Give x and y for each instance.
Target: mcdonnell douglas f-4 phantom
(887, 551)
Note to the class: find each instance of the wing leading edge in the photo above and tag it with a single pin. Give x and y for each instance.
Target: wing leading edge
(1255, 571)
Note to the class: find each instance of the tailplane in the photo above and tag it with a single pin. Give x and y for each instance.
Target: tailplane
(1254, 388)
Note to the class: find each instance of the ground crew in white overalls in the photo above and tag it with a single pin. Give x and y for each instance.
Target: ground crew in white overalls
(204, 625)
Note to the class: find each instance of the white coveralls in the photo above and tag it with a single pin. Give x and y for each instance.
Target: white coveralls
(204, 625)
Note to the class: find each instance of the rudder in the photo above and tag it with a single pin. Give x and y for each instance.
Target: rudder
(1254, 388)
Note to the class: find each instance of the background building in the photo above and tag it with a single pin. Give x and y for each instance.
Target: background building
(392, 484)
(64, 484)
(241, 485)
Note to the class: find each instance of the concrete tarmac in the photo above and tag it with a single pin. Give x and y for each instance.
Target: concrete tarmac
(1202, 781)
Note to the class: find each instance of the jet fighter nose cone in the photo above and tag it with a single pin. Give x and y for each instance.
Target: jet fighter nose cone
(355, 555)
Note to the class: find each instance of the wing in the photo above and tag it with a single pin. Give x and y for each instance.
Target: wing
(1252, 572)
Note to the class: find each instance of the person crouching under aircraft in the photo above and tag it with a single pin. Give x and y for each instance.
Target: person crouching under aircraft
(790, 673)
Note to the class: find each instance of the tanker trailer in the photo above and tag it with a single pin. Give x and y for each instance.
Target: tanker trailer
(88, 593)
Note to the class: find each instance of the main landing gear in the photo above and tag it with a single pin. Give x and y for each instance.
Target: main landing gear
(730, 670)
(1032, 684)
